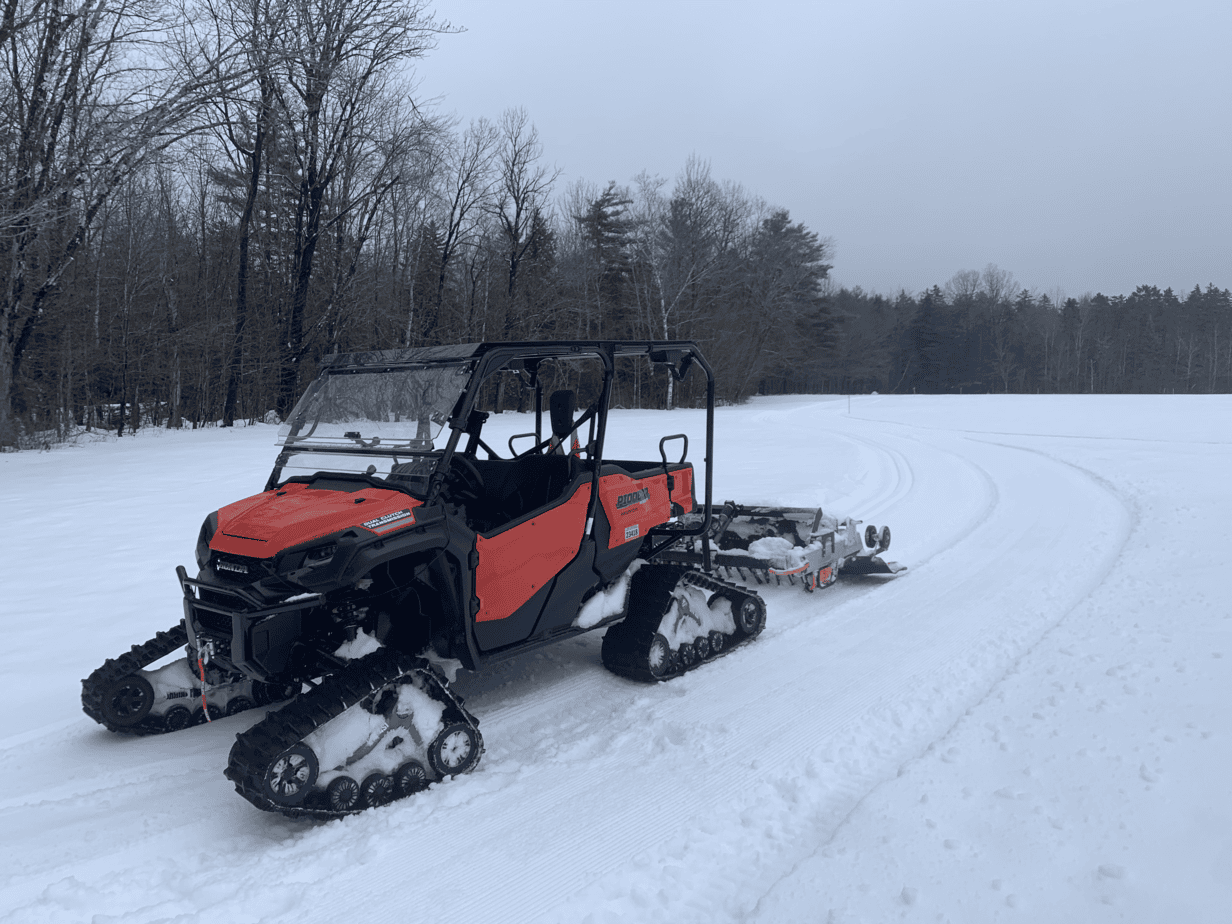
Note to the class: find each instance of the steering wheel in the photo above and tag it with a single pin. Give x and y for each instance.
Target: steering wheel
(464, 481)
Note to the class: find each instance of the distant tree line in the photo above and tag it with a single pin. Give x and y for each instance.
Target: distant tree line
(981, 333)
(201, 198)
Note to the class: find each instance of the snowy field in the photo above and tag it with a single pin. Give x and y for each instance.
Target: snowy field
(1031, 724)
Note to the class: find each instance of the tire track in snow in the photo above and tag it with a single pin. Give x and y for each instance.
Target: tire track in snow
(663, 774)
(868, 693)
(1110, 561)
(730, 774)
(619, 840)
(542, 789)
(1096, 578)
(624, 840)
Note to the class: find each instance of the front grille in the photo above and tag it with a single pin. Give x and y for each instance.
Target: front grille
(220, 598)
(213, 622)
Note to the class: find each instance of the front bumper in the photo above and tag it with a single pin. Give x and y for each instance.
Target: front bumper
(259, 640)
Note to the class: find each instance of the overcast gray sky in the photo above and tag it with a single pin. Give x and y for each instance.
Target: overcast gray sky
(1082, 145)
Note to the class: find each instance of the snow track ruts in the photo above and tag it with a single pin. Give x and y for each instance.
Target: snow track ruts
(934, 636)
(600, 796)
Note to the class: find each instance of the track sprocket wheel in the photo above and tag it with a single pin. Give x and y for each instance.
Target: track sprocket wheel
(216, 713)
(687, 655)
(119, 696)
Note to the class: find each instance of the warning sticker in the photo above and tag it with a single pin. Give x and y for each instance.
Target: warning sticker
(390, 520)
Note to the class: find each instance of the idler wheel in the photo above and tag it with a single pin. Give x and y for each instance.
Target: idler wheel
(751, 616)
(342, 794)
(376, 789)
(411, 777)
(289, 778)
(177, 717)
(239, 704)
(454, 750)
(701, 647)
(199, 714)
(687, 655)
(127, 701)
(718, 641)
(659, 657)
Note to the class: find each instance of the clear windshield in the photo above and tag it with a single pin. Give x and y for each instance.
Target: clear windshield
(397, 409)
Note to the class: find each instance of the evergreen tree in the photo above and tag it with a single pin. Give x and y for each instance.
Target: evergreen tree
(606, 230)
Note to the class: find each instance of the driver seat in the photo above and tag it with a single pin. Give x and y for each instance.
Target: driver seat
(515, 487)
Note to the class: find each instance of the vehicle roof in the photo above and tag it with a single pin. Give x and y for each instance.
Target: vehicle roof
(460, 352)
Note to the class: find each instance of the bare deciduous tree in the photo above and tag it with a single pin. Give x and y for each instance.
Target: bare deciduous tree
(83, 106)
(462, 194)
(335, 73)
(523, 187)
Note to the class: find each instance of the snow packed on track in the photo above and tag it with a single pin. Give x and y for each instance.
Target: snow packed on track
(1030, 724)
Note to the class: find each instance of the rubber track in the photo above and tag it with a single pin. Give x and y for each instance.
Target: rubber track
(114, 669)
(626, 644)
(259, 747)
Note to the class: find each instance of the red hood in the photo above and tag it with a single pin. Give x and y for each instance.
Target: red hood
(263, 525)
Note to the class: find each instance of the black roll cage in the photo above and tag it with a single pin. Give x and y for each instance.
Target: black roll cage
(678, 355)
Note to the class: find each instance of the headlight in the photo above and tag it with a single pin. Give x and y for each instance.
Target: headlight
(320, 555)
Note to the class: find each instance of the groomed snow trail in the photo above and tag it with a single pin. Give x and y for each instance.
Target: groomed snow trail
(721, 796)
